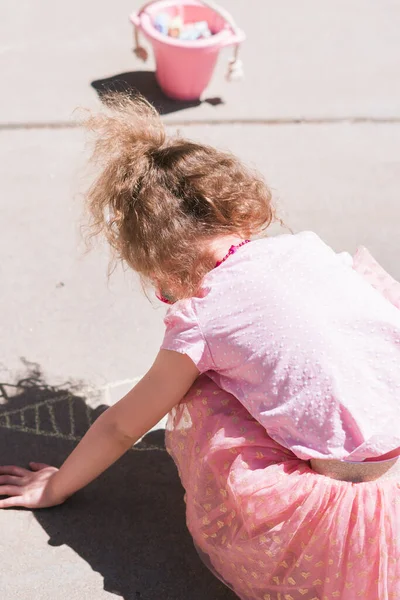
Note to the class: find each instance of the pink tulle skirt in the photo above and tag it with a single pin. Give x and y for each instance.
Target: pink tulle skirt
(264, 522)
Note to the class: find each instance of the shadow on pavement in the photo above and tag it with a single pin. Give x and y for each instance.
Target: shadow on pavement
(129, 524)
(145, 83)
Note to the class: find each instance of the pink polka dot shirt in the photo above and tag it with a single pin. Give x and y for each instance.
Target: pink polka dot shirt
(308, 346)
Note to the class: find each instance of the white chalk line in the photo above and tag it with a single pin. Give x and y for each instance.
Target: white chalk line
(5, 422)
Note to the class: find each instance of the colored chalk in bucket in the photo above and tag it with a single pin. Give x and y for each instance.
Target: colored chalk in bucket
(161, 23)
(176, 28)
(195, 31)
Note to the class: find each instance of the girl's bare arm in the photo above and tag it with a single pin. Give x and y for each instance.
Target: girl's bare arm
(110, 436)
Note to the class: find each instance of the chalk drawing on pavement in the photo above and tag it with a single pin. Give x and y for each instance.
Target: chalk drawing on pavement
(64, 417)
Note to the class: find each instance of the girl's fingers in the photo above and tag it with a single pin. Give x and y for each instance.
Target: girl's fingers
(12, 501)
(10, 479)
(13, 470)
(10, 490)
(35, 466)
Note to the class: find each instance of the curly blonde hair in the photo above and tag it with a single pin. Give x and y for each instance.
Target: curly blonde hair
(158, 199)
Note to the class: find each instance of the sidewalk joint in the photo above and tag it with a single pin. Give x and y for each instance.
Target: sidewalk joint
(352, 120)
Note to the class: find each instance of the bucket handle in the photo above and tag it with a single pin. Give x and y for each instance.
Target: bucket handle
(235, 66)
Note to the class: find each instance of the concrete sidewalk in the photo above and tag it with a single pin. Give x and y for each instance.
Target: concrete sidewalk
(318, 114)
(307, 60)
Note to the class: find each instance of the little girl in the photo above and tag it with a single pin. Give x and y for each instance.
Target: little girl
(287, 358)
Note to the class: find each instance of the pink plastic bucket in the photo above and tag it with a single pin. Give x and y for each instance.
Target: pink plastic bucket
(184, 68)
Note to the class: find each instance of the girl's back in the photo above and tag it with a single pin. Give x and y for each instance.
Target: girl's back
(304, 342)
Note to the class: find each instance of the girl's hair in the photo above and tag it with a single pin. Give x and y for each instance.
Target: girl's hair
(157, 200)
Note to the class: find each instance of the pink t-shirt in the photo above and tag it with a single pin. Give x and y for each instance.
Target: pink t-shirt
(308, 346)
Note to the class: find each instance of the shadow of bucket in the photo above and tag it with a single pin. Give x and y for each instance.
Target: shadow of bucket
(184, 68)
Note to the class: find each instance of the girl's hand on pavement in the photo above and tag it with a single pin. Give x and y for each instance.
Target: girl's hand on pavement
(28, 488)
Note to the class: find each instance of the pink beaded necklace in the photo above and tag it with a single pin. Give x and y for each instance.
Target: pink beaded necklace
(231, 251)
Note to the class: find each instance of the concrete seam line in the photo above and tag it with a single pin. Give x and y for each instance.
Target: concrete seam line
(356, 120)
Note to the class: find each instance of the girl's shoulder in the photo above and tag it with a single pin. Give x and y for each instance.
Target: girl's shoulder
(260, 259)
(270, 254)
(281, 243)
